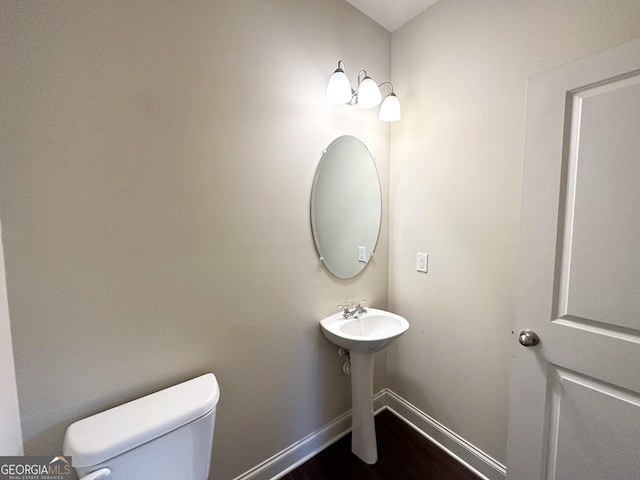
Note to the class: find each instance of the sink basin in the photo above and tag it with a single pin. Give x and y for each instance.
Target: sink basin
(369, 333)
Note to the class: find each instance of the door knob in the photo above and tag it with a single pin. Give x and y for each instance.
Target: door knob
(528, 338)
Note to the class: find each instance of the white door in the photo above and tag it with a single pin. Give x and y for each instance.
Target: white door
(575, 397)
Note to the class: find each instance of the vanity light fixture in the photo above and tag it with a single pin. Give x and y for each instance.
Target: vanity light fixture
(366, 95)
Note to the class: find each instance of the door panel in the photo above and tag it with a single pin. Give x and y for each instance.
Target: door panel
(575, 401)
(600, 273)
(592, 425)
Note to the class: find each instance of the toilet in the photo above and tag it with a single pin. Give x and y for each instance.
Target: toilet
(167, 435)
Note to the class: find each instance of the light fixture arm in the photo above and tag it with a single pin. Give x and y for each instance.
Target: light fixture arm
(362, 74)
(386, 83)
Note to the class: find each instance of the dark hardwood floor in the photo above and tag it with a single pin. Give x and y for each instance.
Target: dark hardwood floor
(403, 454)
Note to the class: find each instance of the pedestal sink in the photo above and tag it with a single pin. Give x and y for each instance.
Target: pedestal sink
(363, 337)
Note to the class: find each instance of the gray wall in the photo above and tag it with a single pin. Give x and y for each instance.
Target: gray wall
(155, 176)
(456, 167)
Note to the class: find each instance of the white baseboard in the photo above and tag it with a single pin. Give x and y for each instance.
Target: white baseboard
(456, 446)
(301, 451)
(298, 453)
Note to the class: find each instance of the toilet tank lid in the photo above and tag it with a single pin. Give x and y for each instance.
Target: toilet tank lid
(98, 438)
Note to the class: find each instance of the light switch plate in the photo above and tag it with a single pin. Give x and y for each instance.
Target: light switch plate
(362, 254)
(422, 262)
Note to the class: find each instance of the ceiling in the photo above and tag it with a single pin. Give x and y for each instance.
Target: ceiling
(392, 14)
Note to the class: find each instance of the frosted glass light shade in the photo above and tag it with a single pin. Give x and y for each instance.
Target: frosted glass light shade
(390, 109)
(368, 94)
(339, 88)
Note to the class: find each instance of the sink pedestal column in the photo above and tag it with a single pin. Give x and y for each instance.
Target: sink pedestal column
(363, 432)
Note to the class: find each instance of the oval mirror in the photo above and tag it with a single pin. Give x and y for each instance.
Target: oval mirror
(346, 205)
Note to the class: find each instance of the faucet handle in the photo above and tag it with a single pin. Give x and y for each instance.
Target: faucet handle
(360, 306)
(345, 308)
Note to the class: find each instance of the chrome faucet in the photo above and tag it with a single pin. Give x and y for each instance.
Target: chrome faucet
(349, 311)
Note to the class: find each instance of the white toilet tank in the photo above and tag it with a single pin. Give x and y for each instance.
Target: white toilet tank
(164, 436)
